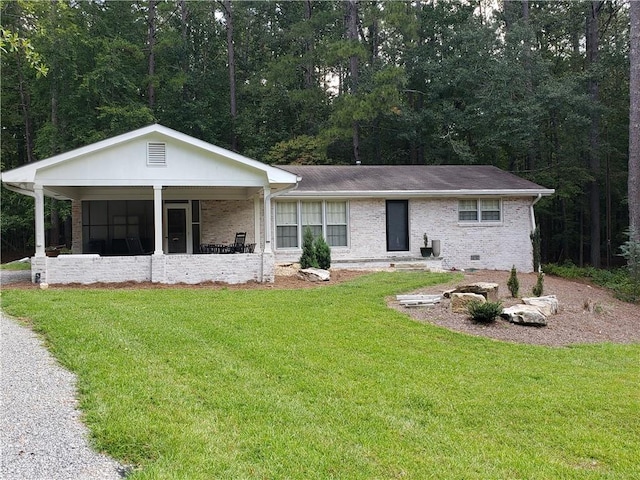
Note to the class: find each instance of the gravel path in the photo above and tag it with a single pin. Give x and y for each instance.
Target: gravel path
(41, 436)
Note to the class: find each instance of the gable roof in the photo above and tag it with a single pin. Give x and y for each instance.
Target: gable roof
(409, 180)
(122, 161)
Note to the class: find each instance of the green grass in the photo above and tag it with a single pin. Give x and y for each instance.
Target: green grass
(16, 266)
(329, 383)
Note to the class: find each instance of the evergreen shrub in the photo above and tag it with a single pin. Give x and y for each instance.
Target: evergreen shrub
(484, 312)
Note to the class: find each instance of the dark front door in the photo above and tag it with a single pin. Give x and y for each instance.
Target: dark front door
(397, 225)
(177, 230)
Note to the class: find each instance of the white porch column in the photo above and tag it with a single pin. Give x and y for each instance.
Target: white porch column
(157, 219)
(257, 224)
(39, 214)
(267, 220)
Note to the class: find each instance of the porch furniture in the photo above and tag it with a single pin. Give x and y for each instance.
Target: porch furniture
(134, 246)
(238, 243)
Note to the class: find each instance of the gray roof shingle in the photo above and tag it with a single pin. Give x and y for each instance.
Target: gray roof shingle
(405, 178)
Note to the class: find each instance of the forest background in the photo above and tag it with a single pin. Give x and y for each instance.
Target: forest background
(538, 88)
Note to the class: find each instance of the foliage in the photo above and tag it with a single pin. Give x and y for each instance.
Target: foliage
(425, 239)
(538, 288)
(535, 242)
(329, 383)
(308, 258)
(513, 284)
(502, 83)
(323, 253)
(618, 280)
(631, 253)
(301, 150)
(484, 312)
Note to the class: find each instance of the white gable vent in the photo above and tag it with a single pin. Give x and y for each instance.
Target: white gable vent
(156, 154)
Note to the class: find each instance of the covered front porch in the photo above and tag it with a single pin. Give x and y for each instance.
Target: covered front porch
(144, 203)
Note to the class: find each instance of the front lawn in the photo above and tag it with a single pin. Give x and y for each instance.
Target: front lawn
(330, 383)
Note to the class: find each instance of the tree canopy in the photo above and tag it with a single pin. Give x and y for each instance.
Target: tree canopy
(534, 87)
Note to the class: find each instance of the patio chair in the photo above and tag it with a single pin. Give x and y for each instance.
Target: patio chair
(238, 243)
(134, 246)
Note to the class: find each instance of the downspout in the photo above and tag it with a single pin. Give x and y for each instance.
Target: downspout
(533, 217)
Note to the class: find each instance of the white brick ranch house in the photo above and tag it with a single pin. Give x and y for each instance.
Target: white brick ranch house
(157, 205)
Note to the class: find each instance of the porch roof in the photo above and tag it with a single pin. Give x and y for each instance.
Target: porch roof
(131, 163)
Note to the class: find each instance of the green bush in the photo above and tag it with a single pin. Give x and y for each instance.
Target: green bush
(323, 253)
(484, 312)
(538, 288)
(308, 258)
(513, 283)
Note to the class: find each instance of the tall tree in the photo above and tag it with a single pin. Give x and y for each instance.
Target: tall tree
(593, 155)
(233, 109)
(634, 122)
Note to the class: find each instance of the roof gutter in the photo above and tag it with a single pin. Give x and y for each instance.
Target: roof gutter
(420, 193)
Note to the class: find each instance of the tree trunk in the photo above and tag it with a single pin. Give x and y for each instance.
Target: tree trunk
(228, 17)
(308, 47)
(634, 123)
(151, 41)
(352, 36)
(594, 139)
(25, 106)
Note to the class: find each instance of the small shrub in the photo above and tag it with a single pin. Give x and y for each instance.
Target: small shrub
(513, 283)
(308, 258)
(323, 253)
(538, 288)
(484, 312)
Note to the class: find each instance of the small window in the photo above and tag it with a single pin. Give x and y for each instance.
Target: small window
(468, 211)
(480, 210)
(490, 210)
(156, 154)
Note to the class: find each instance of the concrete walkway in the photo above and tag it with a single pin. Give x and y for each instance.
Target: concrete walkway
(41, 436)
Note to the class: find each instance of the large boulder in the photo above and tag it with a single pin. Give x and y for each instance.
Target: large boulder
(488, 290)
(525, 315)
(460, 301)
(314, 274)
(548, 304)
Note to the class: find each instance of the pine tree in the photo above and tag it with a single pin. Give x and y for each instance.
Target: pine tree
(513, 283)
(308, 258)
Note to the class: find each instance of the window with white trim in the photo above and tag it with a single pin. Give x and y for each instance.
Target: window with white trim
(336, 219)
(480, 210)
(324, 218)
(287, 224)
(312, 218)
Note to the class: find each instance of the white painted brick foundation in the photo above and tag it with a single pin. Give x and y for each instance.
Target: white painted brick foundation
(191, 269)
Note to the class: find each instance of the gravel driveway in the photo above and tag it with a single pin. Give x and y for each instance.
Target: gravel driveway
(41, 436)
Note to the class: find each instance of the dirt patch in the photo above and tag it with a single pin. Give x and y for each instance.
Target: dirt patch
(588, 314)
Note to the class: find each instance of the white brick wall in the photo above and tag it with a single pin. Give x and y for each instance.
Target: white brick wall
(86, 269)
(221, 219)
(499, 245)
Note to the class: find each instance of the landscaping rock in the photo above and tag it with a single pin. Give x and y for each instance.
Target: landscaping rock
(548, 304)
(488, 290)
(314, 274)
(460, 301)
(525, 315)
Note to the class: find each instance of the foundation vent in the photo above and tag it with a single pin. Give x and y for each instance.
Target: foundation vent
(475, 257)
(156, 154)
